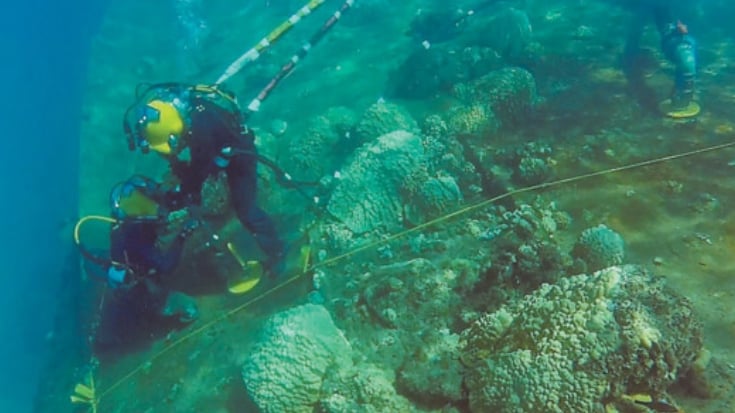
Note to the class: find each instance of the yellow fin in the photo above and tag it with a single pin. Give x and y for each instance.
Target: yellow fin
(253, 271)
(243, 285)
(638, 397)
(84, 391)
(77, 399)
(690, 111)
(305, 258)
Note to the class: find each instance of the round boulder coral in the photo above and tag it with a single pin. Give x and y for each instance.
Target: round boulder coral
(509, 93)
(382, 118)
(368, 194)
(600, 247)
(285, 370)
(313, 153)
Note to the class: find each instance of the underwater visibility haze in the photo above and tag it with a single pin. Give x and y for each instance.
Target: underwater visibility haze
(45, 45)
(511, 206)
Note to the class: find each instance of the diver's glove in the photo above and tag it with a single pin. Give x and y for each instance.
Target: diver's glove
(117, 276)
(177, 216)
(180, 307)
(174, 198)
(188, 228)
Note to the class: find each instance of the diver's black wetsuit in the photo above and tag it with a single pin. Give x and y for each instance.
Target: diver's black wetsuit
(212, 131)
(140, 302)
(134, 243)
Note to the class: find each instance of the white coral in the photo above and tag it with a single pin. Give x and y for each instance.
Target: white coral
(285, 371)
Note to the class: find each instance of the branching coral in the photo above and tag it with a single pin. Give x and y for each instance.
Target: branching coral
(524, 246)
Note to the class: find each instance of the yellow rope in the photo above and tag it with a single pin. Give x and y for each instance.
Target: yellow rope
(486, 202)
(393, 237)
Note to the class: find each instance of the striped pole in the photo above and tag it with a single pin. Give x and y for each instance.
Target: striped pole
(254, 52)
(289, 67)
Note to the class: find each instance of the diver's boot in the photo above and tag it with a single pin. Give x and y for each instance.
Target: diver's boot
(293, 260)
(180, 307)
(275, 266)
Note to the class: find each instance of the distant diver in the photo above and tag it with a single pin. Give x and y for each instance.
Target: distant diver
(677, 45)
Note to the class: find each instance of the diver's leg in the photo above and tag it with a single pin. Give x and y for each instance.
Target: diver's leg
(635, 60)
(635, 32)
(242, 177)
(264, 231)
(679, 47)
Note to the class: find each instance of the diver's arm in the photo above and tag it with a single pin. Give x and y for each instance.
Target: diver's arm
(134, 245)
(118, 273)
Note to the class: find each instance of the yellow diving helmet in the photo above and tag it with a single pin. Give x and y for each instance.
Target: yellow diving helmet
(160, 126)
(132, 200)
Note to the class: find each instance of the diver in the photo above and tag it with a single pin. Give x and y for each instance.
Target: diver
(144, 251)
(200, 131)
(677, 45)
(140, 256)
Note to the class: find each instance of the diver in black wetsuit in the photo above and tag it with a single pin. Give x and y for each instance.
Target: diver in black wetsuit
(137, 264)
(138, 258)
(200, 131)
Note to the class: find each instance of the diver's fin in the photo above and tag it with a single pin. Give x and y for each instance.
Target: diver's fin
(243, 284)
(304, 258)
(252, 273)
(296, 264)
(76, 399)
(85, 394)
(84, 391)
(689, 111)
